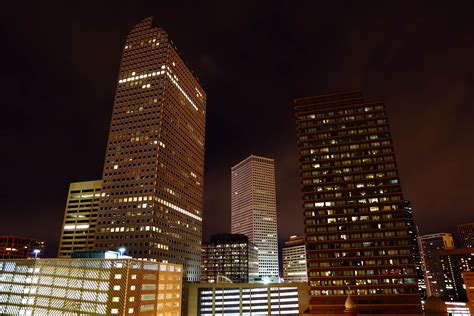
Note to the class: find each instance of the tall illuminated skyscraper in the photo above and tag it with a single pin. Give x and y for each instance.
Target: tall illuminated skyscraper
(359, 232)
(253, 209)
(154, 165)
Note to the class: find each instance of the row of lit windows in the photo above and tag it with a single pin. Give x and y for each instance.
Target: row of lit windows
(352, 125)
(353, 245)
(354, 154)
(345, 147)
(395, 272)
(384, 262)
(389, 291)
(356, 109)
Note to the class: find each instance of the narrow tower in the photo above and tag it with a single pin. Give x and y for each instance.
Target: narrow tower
(253, 209)
(154, 165)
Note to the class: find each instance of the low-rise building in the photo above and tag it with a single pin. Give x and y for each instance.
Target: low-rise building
(89, 286)
(247, 299)
(16, 247)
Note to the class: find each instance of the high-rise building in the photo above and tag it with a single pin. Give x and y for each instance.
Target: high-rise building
(253, 209)
(429, 246)
(454, 263)
(466, 234)
(154, 164)
(89, 287)
(231, 256)
(294, 260)
(80, 217)
(359, 232)
(16, 247)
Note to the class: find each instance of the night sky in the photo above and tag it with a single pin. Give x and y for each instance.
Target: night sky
(59, 70)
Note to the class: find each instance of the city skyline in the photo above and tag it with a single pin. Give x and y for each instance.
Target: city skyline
(87, 130)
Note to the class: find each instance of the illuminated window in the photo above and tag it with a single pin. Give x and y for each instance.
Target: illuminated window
(116, 287)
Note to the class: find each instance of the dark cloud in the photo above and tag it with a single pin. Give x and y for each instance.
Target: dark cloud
(60, 63)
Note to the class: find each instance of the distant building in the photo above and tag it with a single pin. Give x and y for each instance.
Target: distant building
(468, 278)
(247, 299)
(16, 247)
(429, 246)
(453, 263)
(89, 287)
(294, 260)
(231, 256)
(359, 231)
(458, 309)
(253, 209)
(80, 217)
(153, 175)
(466, 234)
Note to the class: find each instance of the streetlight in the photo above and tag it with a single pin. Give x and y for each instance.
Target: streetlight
(36, 253)
(122, 250)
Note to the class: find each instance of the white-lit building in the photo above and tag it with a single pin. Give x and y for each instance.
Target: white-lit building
(205, 299)
(253, 209)
(294, 260)
(89, 287)
(80, 217)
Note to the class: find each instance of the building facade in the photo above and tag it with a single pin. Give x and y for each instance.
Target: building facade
(153, 174)
(231, 256)
(247, 299)
(294, 260)
(80, 217)
(89, 287)
(430, 245)
(359, 232)
(454, 263)
(253, 209)
(16, 247)
(466, 234)
(468, 278)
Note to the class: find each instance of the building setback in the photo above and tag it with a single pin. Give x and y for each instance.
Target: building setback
(359, 232)
(153, 174)
(253, 209)
(466, 234)
(89, 287)
(80, 217)
(454, 263)
(16, 247)
(294, 260)
(231, 256)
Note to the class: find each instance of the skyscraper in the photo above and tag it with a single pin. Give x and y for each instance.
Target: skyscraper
(80, 217)
(294, 260)
(154, 165)
(429, 247)
(359, 232)
(253, 209)
(466, 234)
